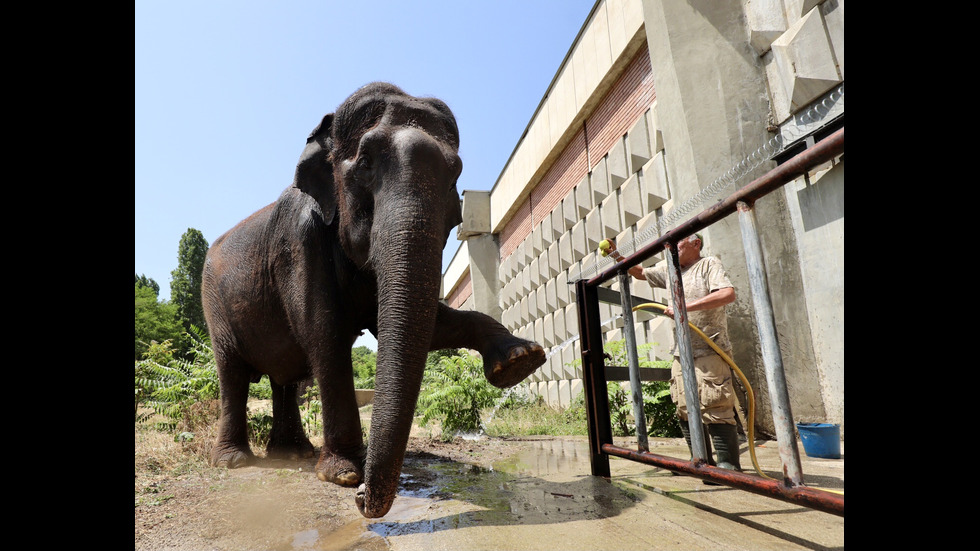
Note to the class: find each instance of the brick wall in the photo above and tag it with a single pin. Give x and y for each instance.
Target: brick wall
(625, 102)
(462, 292)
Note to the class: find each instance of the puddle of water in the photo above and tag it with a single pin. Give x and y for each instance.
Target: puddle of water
(457, 495)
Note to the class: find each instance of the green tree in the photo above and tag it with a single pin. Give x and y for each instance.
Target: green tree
(365, 363)
(143, 281)
(155, 320)
(185, 284)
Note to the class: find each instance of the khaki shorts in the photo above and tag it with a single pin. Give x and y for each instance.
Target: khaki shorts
(715, 389)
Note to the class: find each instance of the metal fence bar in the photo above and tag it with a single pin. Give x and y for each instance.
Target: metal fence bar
(813, 498)
(772, 358)
(636, 388)
(594, 376)
(686, 354)
(597, 402)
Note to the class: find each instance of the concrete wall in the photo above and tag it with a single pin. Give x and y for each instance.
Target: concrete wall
(612, 31)
(610, 153)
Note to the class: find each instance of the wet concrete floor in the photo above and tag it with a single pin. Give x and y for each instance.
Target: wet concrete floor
(545, 498)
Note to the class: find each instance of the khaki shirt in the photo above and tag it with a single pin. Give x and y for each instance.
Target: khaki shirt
(699, 279)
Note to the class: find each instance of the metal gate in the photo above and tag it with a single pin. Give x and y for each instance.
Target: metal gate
(589, 293)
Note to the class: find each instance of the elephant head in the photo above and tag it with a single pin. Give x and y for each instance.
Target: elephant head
(383, 169)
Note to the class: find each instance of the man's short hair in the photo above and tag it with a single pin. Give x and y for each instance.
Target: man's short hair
(696, 236)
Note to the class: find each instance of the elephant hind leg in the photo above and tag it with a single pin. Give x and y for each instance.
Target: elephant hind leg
(288, 439)
(231, 449)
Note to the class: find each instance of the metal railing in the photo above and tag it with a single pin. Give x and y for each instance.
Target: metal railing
(588, 291)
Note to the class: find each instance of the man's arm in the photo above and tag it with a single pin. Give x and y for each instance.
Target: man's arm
(714, 299)
(635, 271)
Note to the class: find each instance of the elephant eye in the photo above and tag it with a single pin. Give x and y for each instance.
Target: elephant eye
(363, 161)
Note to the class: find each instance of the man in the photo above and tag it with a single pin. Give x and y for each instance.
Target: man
(707, 291)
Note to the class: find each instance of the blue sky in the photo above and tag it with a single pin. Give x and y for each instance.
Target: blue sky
(226, 93)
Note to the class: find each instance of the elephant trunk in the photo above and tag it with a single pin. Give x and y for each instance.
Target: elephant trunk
(409, 277)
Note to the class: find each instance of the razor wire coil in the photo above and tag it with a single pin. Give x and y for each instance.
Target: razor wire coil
(814, 114)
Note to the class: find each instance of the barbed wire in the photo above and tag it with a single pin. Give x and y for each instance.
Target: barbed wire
(804, 123)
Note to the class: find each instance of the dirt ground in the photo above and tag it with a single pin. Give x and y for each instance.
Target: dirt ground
(266, 505)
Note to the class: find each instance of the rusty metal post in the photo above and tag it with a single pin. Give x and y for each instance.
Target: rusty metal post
(636, 388)
(594, 377)
(683, 336)
(772, 358)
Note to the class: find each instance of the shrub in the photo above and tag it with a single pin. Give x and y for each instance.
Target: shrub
(658, 408)
(364, 361)
(259, 428)
(311, 410)
(261, 390)
(454, 391)
(169, 385)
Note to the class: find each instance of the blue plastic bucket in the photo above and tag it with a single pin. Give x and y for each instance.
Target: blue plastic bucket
(820, 439)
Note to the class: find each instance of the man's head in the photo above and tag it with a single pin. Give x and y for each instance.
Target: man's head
(689, 250)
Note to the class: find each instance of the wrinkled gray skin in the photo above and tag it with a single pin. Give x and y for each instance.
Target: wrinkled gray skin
(354, 243)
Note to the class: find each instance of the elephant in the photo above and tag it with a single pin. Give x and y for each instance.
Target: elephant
(354, 243)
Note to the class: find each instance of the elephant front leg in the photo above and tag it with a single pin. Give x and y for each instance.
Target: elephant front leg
(288, 439)
(507, 359)
(343, 454)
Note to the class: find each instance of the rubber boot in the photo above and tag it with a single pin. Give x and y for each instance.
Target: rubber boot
(725, 439)
(686, 431)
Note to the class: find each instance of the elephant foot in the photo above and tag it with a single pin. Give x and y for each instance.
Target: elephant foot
(340, 470)
(292, 449)
(231, 457)
(510, 360)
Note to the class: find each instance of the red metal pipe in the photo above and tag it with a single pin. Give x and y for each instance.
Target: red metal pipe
(820, 500)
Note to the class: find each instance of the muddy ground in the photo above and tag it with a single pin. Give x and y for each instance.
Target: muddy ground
(267, 505)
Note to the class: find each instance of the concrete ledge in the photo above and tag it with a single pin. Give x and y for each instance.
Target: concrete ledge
(364, 396)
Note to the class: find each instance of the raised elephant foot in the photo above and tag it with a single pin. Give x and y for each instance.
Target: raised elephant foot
(291, 449)
(231, 457)
(510, 360)
(340, 470)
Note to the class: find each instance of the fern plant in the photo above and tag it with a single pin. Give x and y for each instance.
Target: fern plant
(169, 385)
(454, 391)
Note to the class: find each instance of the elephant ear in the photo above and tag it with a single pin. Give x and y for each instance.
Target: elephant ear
(314, 172)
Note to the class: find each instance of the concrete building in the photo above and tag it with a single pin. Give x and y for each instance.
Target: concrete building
(660, 108)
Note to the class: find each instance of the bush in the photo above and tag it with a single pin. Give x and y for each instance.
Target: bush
(658, 408)
(169, 385)
(311, 411)
(454, 391)
(261, 390)
(364, 361)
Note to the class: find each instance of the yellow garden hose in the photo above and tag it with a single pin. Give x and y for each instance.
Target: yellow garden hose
(741, 376)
